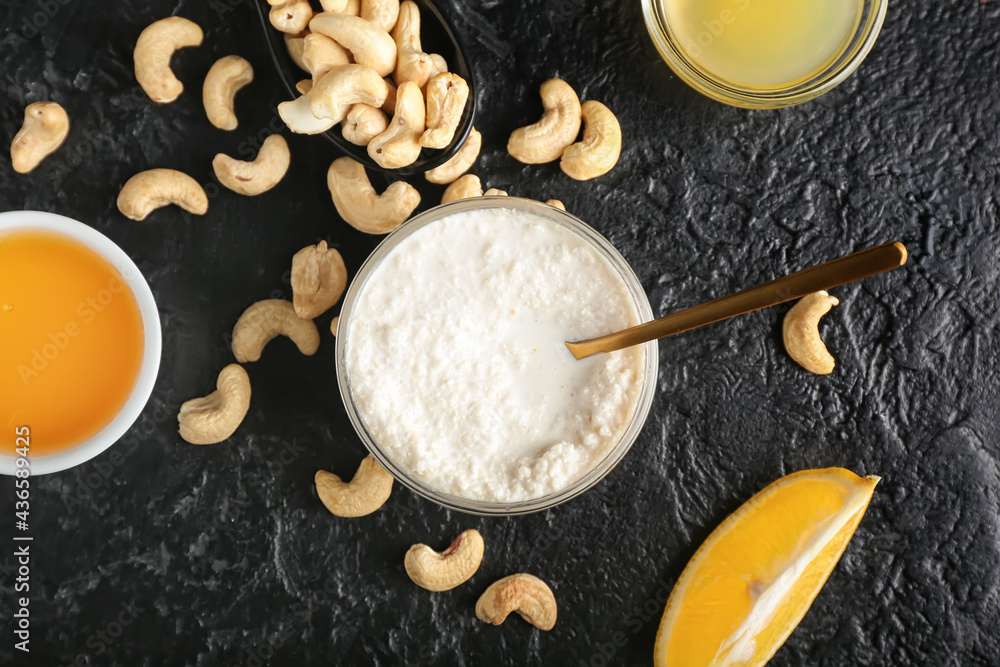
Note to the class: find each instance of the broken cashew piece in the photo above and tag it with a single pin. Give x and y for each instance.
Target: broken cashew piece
(465, 187)
(526, 594)
(213, 418)
(154, 188)
(444, 571)
(601, 146)
(334, 323)
(369, 44)
(304, 86)
(364, 494)
(253, 178)
(320, 54)
(299, 118)
(343, 87)
(223, 80)
(546, 140)
(267, 319)
(292, 16)
(382, 13)
(459, 163)
(295, 44)
(360, 206)
(447, 95)
(801, 333)
(555, 203)
(153, 51)
(399, 145)
(319, 278)
(494, 192)
(363, 123)
(45, 127)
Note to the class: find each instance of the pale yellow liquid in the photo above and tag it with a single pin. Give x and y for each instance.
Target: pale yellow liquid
(763, 43)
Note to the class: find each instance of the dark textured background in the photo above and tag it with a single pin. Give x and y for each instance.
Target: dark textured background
(227, 554)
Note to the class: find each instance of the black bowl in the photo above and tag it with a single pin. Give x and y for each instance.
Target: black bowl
(436, 37)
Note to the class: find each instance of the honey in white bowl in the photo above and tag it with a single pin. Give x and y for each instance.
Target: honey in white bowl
(763, 44)
(71, 339)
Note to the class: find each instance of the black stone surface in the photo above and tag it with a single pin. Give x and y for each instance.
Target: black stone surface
(227, 557)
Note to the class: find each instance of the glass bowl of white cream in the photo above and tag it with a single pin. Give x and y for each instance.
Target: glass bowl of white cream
(452, 364)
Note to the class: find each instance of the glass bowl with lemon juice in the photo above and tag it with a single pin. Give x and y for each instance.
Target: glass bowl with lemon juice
(764, 53)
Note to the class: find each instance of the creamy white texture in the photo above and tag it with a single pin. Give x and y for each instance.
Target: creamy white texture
(456, 359)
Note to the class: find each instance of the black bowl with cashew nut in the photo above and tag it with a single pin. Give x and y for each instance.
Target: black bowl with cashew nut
(301, 40)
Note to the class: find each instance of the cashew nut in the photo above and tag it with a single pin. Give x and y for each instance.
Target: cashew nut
(465, 187)
(399, 145)
(363, 123)
(319, 278)
(45, 127)
(334, 323)
(369, 44)
(447, 94)
(601, 145)
(299, 118)
(352, 8)
(364, 494)
(446, 570)
(320, 54)
(801, 333)
(412, 64)
(304, 86)
(292, 16)
(225, 77)
(555, 203)
(343, 87)
(213, 418)
(296, 45)
(382, 13)
(265, 320)
(460, 162)
(253, 178)
(153, 51)
(546, 140)
(333, 5)
(526, 594)
(359, 205)
(494, 192)
(154, 188)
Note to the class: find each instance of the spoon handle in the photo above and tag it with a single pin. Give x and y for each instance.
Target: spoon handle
(862, 264)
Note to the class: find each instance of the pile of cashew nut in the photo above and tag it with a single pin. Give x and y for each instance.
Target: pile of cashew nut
(318, 279)
(154, 188)
(370, 74)
(553, 136)
(523, 593)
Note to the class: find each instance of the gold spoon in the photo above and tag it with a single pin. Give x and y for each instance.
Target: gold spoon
(863, 264)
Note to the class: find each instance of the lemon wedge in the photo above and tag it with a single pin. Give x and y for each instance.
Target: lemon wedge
(752, 581)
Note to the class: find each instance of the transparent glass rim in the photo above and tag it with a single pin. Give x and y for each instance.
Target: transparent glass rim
(650, 361)
(832, 76)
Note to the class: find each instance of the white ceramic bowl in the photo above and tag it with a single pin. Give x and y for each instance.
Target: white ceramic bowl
(49, 463)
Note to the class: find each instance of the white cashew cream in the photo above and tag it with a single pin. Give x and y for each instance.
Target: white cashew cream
(456, 359)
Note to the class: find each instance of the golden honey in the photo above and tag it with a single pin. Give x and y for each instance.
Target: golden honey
(71, 339)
